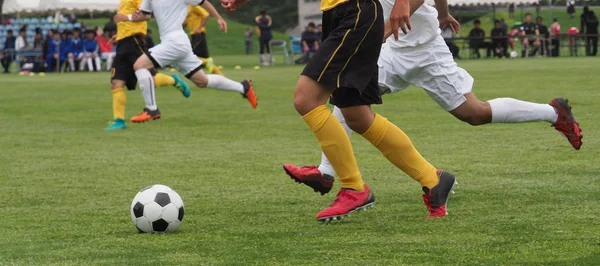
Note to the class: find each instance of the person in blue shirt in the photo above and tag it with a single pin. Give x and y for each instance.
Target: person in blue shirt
(8, 54)
(90, 50)
(75, 54)
(55, 57)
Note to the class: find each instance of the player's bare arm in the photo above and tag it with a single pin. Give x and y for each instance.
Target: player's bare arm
(213, 12)
(140, 15)
(414, 5)
(233, 5)
(444, 17)
(400, 17)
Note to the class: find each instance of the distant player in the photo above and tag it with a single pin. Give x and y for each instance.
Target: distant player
(345, 68)
(175, 49)
(130, 46)
(196, 21)
(421, 58)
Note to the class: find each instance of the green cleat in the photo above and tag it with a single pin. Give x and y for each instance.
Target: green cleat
(209, 65)
(117, 125)
(182, 86)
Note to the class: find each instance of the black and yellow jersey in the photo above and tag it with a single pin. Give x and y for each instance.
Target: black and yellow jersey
(196, 14)
(128, 28)
(329, 4)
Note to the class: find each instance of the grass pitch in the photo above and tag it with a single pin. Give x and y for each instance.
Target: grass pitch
(525, 196)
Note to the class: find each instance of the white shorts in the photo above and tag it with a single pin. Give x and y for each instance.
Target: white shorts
(429, 66)
(175, 49)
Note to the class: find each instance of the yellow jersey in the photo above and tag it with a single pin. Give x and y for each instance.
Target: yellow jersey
(195, 16)
(129, 28)
(329, 4)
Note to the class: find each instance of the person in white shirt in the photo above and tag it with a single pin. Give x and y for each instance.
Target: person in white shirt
(21, 42)
(175, 49)
(421, 58)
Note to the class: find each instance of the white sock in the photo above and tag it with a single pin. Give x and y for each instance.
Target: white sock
(109, 62)
(98, 66)
(509, 110)
(222, 83)
(72, 64)
(326, 167)
(90, 64)
(147, 88)
(82, 63)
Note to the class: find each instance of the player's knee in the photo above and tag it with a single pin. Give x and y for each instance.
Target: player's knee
(301, 104)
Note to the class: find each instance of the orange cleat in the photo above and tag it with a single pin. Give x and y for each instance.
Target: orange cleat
(146, 115)
(249, 92)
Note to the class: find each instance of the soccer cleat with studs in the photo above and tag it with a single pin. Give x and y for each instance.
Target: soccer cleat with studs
(310, 176)
(249, 93)
(436, 198)
(346, 203)
(146, 115)
(565, 122)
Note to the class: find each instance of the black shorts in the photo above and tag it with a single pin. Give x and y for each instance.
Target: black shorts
(346, 61)
(128, 51)
(199, 45)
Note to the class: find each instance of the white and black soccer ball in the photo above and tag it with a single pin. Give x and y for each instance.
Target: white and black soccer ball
(157, 209)
(513, 54)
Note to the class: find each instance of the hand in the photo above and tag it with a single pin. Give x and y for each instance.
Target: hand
(112, 39)
(449, 21)
(400, 17)
(222, 25)
(136, 16)
(232, 5)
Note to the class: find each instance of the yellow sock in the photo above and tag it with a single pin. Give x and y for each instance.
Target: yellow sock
(204, 60)
(119, 101)
(336, 145)
(163, 80)
(216, 70)
(399, 150)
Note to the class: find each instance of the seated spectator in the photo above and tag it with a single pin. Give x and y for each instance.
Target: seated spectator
(529, 34)
(448, 36)
(74, 46)
(320, 32)
(110, 25)
(309, 42)
(105, 46)
(48, 39)
(573, 32)
(90, 51)
(8, 54)
(544, 35)
(21, 42)
(477, 39)
(499, 40)
(65, 46)
(55, 57)
(38, 41)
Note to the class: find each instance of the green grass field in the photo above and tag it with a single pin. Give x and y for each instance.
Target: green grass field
(525, 196)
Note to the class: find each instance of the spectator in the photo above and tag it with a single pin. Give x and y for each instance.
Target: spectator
(8, 55)
(571, 8)
(248, 40)
(90, 51)
(572, 33)
(48, 39)
(310, 42)
(511, 10)
(83, 26)
(110, 26)
(264, 22)
(477, 39)
(513, 35)
(555, 37)
(105, 46)
(503, 25)
(529, 34)
(448, 36)
(55, 57)
(589, 26)
(320, 32)
(499, 40)
(544, 37)
(148, 39)
(74, 47)
(38, 41)
(21, 42)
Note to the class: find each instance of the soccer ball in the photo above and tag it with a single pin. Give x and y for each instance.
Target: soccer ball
(157, 209)
(513, 54)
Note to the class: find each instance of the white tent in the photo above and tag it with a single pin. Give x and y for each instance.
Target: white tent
(13, 6)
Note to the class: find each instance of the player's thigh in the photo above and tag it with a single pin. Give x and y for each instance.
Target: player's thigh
(122, 73)
(191, 67)
(393, 68)
(443, 80)
(309, 94)
(163, 54)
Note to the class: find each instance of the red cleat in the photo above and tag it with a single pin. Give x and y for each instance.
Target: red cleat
(310, 176)
(566, 124)
(436, 198)
(249, 93)
(347, 202)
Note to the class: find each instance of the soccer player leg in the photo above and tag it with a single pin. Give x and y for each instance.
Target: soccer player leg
(193, 67)
(122, 74)
(325, 167)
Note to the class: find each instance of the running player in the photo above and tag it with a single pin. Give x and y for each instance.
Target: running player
(196, 21)
(130, 46)
(345, 68)
(421, 58)
(175, 49)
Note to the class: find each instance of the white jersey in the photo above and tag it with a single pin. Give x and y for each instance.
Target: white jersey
(169, 14)
(425, 26)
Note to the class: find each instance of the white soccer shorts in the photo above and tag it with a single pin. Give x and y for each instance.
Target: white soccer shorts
(429, 66)
(175, 49)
